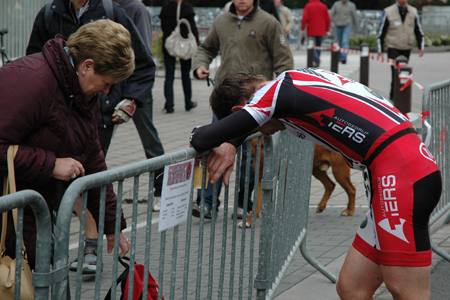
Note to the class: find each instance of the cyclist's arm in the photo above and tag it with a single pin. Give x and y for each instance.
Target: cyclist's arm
(233, 129)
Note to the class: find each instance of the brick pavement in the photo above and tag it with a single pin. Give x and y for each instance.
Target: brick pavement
(329, 234)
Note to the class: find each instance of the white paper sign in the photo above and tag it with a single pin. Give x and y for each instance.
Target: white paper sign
(175, 194)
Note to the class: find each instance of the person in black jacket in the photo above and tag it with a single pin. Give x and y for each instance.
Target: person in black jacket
(168, 16)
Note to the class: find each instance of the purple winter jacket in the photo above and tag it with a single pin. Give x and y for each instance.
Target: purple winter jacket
(43, 110)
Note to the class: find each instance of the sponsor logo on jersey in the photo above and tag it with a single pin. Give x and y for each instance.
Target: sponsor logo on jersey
(387, 192)
(373, 93)
(339, 125)
(426, 153)
(344, 80)
(398, 231)
(367, 185)
(364, 223)
(301, 135)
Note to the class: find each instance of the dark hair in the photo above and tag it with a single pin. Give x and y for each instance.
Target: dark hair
(232, 91)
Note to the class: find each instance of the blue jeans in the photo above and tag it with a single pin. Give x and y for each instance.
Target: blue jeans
(210, 188)
(318, 43)
(169, 64)
(343, 36)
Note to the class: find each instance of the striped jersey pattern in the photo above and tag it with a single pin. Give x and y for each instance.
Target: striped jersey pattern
(324, 107)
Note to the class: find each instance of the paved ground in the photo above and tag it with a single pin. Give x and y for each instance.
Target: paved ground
(301, 281)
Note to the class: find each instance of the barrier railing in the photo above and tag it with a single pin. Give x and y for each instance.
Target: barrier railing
(436, 100)
(199, 246)
(259, 250)
(42, 277)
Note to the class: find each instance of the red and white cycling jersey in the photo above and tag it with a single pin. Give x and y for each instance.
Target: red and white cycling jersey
(326, 108)
(402, 180)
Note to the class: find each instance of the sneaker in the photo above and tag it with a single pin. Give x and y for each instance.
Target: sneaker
(74, 265)
(316, 64)
(344, 61)
(90, 267)
(156, 203)
(239, 213)
(196, 211)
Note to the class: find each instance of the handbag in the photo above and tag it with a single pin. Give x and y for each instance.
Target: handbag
(7, 264)
(178, 46)
(138, 286)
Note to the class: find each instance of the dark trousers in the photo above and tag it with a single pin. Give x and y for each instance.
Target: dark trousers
(318, 43)
(210, 187)
(143, 120)
(393, 54)
(169, 64)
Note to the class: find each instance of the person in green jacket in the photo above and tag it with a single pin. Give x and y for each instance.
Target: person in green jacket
(248, 40)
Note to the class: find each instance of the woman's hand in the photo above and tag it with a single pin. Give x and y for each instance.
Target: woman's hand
(67, 169)
(124, 244)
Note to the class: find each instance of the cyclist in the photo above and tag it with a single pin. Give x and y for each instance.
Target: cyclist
(402, 179)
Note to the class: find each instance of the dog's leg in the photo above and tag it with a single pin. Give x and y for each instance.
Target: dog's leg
(249, 220)
(342, 175)
(329, 185)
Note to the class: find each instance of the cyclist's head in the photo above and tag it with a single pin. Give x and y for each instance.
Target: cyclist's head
(233, 91)
(108, 44)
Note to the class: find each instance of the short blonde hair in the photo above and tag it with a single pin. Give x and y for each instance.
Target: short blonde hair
(107, 43)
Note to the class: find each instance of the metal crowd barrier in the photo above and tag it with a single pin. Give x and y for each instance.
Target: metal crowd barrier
(198, 259)
(436, 100)
(286, 187)
(42, 278)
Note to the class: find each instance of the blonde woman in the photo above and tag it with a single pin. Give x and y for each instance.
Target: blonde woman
(52, 104)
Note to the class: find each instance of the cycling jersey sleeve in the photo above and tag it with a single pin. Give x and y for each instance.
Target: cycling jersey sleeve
(232, 129)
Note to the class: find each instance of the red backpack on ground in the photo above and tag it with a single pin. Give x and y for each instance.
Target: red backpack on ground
(138, 287)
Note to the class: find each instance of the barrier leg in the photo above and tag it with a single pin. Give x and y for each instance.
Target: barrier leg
(441, 252)
(315, 263)
(447, 219)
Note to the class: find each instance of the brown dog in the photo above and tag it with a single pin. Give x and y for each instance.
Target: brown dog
(323, 159)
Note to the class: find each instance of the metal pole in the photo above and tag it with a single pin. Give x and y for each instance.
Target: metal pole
(364, 64)
(310, 53)
(402, 99)
(335, 57)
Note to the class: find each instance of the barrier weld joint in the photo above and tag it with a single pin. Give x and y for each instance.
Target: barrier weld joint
(48, 279)
(261, 284)
(268, 184)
